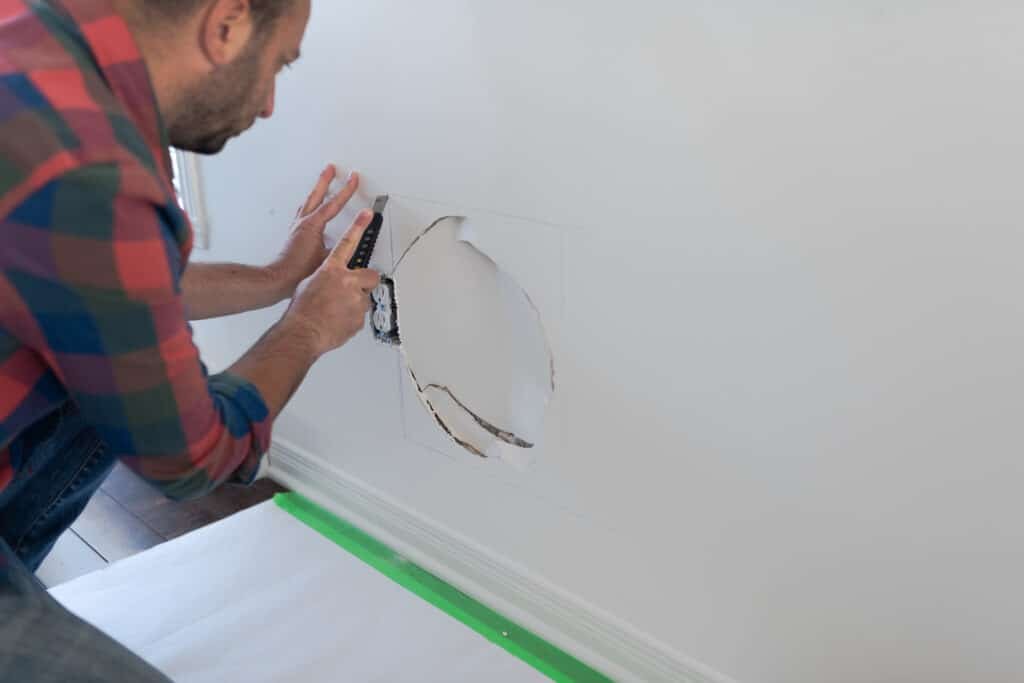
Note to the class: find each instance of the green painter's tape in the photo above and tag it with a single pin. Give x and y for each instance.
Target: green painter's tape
(533, 650)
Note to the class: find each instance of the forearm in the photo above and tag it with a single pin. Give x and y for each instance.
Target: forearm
(278, 362)
(212, 290)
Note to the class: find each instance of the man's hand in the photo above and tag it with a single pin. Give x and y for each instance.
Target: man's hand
(330, 308)
(333, 304)
(213, 290)
(305, 251)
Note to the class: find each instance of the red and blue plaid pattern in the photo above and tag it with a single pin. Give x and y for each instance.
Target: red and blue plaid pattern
(92, 249)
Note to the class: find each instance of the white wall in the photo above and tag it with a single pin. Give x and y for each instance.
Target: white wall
(785, 295)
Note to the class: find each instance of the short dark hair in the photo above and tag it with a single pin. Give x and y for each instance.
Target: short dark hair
(264, 12)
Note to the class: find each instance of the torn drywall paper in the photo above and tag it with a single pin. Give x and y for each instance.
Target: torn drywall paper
(473, 341)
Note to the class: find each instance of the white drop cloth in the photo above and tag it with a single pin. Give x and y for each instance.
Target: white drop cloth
(262, 597)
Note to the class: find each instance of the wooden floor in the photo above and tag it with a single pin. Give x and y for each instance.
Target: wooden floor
(126, 517)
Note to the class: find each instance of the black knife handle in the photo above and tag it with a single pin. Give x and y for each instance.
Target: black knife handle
(364, 252)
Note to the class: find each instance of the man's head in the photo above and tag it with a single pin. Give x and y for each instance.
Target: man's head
(215, 62)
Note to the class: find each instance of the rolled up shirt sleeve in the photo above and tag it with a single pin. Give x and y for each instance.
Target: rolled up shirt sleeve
(99, 273)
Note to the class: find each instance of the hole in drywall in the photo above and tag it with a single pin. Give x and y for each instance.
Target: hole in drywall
(473, 341)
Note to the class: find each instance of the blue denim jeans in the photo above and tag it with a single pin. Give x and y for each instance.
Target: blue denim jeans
(63, 462)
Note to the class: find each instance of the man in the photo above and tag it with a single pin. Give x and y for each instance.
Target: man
(96, 355)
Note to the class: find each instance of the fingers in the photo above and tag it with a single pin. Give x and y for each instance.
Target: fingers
(336, 203)
(316, 197)
(346, 248)
(368, 279)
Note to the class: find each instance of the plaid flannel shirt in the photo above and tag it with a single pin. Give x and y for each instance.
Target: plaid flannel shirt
(92, 249)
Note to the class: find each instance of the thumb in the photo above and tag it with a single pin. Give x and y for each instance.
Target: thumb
(346, 248)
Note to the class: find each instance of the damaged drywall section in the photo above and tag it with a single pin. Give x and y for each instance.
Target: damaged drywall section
(473, 341)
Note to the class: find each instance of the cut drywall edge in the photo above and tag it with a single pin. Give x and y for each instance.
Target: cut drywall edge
(521, 643)
(468, 234)
(458, 417)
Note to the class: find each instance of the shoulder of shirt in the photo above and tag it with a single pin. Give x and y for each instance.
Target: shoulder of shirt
(60, 116)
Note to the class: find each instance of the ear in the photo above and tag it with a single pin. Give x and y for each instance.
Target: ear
(226, 29)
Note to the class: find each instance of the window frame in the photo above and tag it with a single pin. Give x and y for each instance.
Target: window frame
(190, 195)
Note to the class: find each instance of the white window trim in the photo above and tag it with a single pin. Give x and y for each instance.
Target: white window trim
(190, 195)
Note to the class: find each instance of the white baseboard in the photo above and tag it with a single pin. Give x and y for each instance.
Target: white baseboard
(591, 635)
